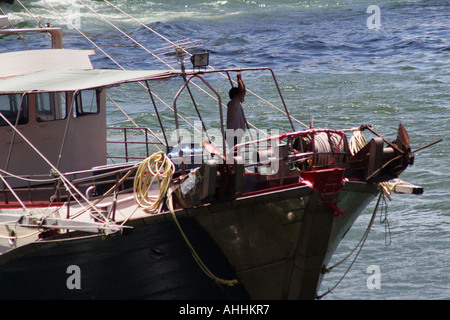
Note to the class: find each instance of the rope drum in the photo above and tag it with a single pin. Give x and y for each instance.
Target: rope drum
(329, 147)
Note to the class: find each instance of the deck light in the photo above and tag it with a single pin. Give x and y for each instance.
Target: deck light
(200, 60)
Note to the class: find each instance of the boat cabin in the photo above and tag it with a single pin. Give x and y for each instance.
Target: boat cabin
(53, 110)
(66, 123)
(52, 124)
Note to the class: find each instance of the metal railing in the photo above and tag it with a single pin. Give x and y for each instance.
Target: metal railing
(138, 143)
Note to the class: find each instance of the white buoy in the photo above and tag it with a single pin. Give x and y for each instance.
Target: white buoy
(3, 21)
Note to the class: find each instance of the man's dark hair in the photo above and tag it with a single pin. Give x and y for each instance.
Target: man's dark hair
(233, 92)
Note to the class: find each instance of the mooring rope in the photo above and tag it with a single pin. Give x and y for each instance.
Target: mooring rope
(158, 167)
(356, 143)
(360, 245)
(197, 258)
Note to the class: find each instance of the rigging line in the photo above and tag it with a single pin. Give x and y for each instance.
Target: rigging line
(132, 121)
(12, 191)
(109, 57)
(174, 44)
(83, 34)
(265, 101)
(360, 244)
(123, 111)
(29, 12)
(147, 50)
(120, 66)
(24, 178)
(12, 26)
(187, 52)
(140, 45)
(125, 34)
(144, 25)
(66, 181)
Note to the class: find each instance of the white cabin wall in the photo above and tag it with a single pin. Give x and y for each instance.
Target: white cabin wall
(85, 144)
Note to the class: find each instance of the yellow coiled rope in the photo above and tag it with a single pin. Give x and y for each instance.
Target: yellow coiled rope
(160, 168)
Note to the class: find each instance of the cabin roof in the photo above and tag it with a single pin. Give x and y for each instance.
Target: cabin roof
(24, 62)
(55, 70)
(73, 80)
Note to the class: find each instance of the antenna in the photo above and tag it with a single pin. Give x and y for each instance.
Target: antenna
(179, 49)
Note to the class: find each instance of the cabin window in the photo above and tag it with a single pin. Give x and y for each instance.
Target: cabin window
(86, 103)
(10, 107)
(50, 106)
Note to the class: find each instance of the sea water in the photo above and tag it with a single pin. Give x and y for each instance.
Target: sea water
(339, 64)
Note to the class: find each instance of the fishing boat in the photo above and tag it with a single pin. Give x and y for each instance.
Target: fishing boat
(192, 218)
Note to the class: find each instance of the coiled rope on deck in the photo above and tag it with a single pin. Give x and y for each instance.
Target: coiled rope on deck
(159, 167)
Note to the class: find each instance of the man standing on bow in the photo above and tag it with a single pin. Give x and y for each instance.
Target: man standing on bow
(235, 114)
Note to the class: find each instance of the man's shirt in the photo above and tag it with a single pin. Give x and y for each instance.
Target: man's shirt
(235, 115)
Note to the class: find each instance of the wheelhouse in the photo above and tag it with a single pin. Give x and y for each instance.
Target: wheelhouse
(53, 113)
